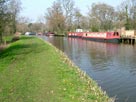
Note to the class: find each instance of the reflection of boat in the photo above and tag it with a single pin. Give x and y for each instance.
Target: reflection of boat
(112, 37)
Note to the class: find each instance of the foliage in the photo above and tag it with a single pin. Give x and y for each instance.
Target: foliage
(55, 18)
(63, 16)
(104, 14)
(3, 16)
(127, 14)
(68, 7)
(8, 13)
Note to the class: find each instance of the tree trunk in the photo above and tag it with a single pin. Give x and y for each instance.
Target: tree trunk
(0, 38)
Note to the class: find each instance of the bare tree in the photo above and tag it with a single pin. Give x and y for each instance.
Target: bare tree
(104, 14)
(127, 10)
(120, 17)
(37, 27)
(94, 24)
(4, 16)
(55, 18)
(41, 22)
(133, 13)
(84, 23)
(68, 8)
(77, 18)
(22, 24)
(14, 7)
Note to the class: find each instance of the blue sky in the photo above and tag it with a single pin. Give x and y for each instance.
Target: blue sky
(33, 9)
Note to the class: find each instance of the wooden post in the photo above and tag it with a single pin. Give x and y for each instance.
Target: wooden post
(129, 41)
(133, 41)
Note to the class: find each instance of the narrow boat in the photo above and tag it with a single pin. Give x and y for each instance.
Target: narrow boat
(49, 34)
(75, 34)
(112, 37)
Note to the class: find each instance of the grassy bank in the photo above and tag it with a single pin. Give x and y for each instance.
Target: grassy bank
(3, 42)
(34, 71)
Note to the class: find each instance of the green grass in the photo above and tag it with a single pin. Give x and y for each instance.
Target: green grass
(34, 71)
(7, 38)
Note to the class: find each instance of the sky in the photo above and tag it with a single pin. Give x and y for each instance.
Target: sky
(35, 9)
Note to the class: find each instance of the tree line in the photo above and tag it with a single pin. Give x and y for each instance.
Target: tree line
(64, 16)
(9, 10)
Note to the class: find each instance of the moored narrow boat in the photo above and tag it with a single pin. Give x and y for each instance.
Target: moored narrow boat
(112, 37)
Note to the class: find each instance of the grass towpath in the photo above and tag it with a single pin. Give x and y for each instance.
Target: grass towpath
(34, 71)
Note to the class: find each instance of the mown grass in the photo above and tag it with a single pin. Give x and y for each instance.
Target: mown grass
(34, 71)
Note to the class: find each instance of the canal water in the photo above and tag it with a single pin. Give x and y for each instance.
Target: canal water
(113, 66)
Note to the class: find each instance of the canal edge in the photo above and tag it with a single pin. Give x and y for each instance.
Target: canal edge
(82, 74)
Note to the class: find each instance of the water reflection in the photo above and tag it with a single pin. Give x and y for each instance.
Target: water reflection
(113, 66)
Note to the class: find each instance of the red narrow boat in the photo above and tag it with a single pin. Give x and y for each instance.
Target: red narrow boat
(75, 34)
(112, 37)
(49, 34)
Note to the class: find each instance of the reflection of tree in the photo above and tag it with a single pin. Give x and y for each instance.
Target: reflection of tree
(127, 58)
(57, 42)
(110, 64)
(101, 53)
(99, 56)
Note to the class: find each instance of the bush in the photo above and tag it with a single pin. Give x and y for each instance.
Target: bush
(15, 38)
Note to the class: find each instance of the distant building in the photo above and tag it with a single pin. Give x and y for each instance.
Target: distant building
(79, 30)
(127, 33)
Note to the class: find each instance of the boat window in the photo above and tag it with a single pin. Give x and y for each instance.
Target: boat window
(116, 34)
(86, 34)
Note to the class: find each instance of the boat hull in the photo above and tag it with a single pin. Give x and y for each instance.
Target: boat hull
(109, 37)
(114, 40)
(75, 36)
